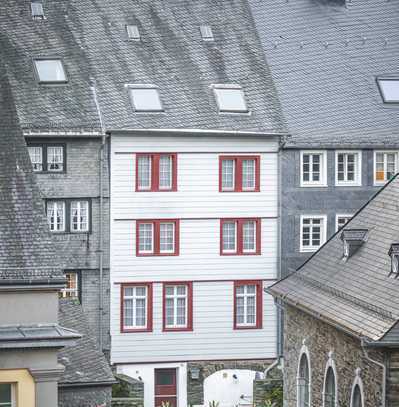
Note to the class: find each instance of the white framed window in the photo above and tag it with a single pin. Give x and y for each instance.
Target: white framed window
(71, 289)
(348, 168)
(135, 306)
(385, 166)
(165, 171)
(55, 159)
(50, 70)
(330, 385)
(228, 174)
(133, 32)
(7, 395)
(313, 232)
(246, 299)
(341, 220)
(206, 33)
(176, 306)
(230, 99)
(144, 166)
(357, 394)
(166, 237)
(304, 379)
(249, 236)
(36, 157)
(79, 216)
(37, 11)
(389, 89)
(229, 237)
(145, 98)
(313, 168)
(248, 174)
(56, 215)
(146, 238)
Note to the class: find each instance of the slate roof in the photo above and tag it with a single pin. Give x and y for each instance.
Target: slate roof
(27, 253)
(90, 37)
(325, 57)
(358, 294)
(84, 362)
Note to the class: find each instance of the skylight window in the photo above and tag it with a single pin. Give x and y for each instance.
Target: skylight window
(145, 98)
(133, 32)
(230, 99)
(50, 71)
(206, 33)
(389, 88)
(37, 10)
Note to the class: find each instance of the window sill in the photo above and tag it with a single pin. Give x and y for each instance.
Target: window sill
(188, 329)
(241, 254)
(139, 330)
(156, 255)
(313, 185)
(348, 184)
(241, 328)
(309, 250)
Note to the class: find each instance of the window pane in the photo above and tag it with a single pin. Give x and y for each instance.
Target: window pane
(71, 290)
(229, 236)
(133, 32)
(55, 158)
(135, 307)
(249, 236)
(56, 216)
(50, 70)
(37, 9)
(146, 237)
(36, 157)
(389, 89)
(230, 100)
(248, 174)
(5, 394)
(165, 172)
(166, 237)
(246, 305)
(146, 99)
(144, 172)
(79, 216)
(228, 174)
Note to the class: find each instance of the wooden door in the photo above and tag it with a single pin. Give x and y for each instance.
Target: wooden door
(165, 387)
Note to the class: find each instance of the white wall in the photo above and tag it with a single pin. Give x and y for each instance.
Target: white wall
(199, 205)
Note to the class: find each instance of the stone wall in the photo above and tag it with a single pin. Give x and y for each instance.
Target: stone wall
(320, 339)
(195, 387)
(84, 396)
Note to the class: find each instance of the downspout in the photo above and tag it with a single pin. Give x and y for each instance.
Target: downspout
(384, 372)
(101, 214)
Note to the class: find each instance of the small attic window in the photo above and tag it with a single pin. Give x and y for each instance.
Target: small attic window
(50, 71)
(206, 33)
(145, 98)
(389, 89)
(353, 239)
(394, 255)
(133, 32)
(230, 99)
(37, 10)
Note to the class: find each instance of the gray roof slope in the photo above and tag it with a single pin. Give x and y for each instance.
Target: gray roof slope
(84, 362)
(324, 59)
(90, 37)
(26, 250)
(358, 294)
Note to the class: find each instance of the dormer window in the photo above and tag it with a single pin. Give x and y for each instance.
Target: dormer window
(389, 89)
(50, 71)
(145, 98)
(206, 33)
(133, 32)
(394, 255)
(353, 239)
(37, 10)
(230, 99)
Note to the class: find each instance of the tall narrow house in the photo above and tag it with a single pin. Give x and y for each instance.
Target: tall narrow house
(30, 277)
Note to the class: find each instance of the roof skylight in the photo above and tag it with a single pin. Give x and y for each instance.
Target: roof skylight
(206, 33)
(133, 32)
(37, 10)
(50, 70)
(145, 98)
(230, 99)
(389, 88)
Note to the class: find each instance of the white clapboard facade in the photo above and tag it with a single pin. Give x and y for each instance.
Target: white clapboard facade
(194, 240)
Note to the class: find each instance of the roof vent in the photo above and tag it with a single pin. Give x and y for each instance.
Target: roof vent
(206, 33)
(394, 255)
(353, 239)
(133, 32)
(37, 10)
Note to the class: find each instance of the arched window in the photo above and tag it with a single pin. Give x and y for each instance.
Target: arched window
(357, 399)
(330, 388)
(303, 381)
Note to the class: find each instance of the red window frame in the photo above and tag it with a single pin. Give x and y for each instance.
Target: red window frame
(155, 157)
(189, 326)
(156, 237)
(238, 159)
(149, 307)
(239, 237)
(259, 304)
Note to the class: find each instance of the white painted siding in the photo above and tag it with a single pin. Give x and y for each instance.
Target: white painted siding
(199, 205)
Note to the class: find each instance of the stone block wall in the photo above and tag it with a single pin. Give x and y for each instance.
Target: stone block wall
(195, 387)
(320, 339)
(84, 396)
